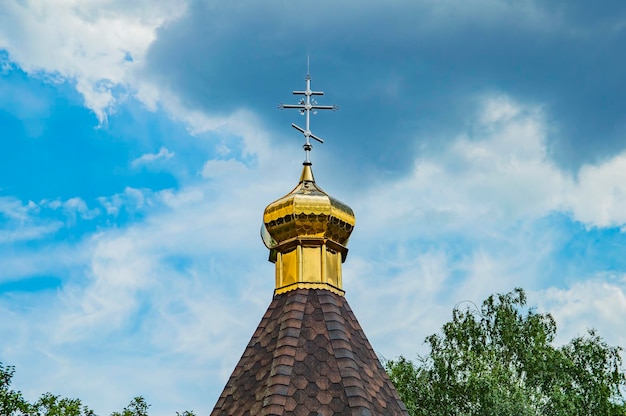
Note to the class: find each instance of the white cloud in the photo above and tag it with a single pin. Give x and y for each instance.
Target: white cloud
(182, 284)
(132, 200)
(499, 174)
(147, 158)
(72, 208)
(100, 44)
(10, 235)
(600, 194)
(20, 222)
(598, 302)
(14, 209)
(218, 169)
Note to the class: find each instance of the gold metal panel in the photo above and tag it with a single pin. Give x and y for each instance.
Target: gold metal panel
(309, 260)
(311, 264)
(289, 268)
(279, 269)
(333, 264)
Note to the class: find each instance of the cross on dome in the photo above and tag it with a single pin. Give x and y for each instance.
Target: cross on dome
(306, 106)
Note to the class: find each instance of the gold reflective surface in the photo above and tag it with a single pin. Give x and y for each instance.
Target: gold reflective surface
(307, 231)
(295, 286)
(308, 211)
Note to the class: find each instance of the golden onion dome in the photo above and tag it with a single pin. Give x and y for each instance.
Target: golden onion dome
(307, 212)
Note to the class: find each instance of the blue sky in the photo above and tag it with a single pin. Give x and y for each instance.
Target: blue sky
(481, 144)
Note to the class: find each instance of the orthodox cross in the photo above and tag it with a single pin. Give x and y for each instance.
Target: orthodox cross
(306, 105)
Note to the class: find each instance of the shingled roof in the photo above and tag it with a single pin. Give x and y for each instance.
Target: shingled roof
(309, 357)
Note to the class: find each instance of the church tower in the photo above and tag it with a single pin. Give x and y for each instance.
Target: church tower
(309, 356)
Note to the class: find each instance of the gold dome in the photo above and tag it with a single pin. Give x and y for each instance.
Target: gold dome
(308, 212)
(307, 231)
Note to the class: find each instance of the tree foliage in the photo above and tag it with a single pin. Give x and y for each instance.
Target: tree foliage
(137, 407)
(50, 405)
(13, 403)
(499, 359)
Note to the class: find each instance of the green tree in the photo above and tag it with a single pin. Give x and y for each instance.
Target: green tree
(11, 401)
(137, 407)
(498, 359)
(51, 405)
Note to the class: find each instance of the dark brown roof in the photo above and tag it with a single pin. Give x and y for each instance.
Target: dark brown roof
(309, 357)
